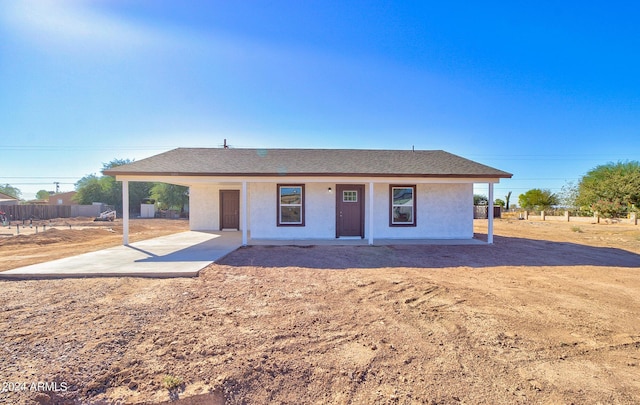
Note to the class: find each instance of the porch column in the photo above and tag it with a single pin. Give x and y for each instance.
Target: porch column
(490, 215)
(243, 213)
(125, 212)
(371, 213)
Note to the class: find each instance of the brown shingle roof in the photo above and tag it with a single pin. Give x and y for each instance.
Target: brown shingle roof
(308, 162)
(4, 196)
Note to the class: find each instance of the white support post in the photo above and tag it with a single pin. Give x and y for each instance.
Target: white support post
(371, 213)
(243, 213)
(125, 212)
(490, 215)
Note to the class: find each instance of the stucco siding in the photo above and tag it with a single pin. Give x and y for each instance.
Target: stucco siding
(204, 205)
(444, 211)
(448, 211)
(319, 212)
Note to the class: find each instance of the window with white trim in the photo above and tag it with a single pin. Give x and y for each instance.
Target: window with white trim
(402, 206)
(350, 196)
(290, 205)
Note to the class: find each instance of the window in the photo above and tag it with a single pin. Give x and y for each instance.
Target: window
(402, 205)
(290, 205)
(350, 196)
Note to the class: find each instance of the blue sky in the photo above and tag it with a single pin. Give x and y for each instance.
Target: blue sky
(544, 90)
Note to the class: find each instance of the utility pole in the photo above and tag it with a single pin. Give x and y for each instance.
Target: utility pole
(57, 183)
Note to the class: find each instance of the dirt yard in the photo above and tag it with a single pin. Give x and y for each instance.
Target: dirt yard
(548, 314)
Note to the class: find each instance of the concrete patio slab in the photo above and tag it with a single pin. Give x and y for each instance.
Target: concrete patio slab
(179, 255)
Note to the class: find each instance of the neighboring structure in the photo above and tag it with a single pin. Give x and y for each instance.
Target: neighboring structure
(147, 210)
(60, 205)
(36, 202)
(63, 198)
(6, 199)
(321, 193)
(56, 199)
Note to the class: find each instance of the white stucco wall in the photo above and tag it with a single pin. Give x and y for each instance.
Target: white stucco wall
(319, 206)
(204, 205)
(444, 211)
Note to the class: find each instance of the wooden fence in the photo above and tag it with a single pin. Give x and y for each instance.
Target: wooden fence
(20, 212)
(480, 211)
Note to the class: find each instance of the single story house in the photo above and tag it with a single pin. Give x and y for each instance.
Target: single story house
(66, 198)
(321, 193)
(6, 199)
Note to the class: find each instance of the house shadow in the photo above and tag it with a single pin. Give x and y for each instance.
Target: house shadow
(506, 251)
(209, 250)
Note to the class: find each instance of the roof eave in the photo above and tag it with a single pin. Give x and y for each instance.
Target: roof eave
(289, 174)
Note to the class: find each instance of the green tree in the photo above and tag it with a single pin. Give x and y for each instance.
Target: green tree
(170, 196)
(537, 199)
(107, 190)
(92, 188)
(42, 195)
(479, 199)
(10, 190)
(500, 203)
(569, 195)
(138, 191)
(612, 189)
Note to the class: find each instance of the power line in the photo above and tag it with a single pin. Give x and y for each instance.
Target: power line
(37, 184)
(36, 177)
(87, 148)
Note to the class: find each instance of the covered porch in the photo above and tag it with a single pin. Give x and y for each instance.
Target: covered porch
(202, 206)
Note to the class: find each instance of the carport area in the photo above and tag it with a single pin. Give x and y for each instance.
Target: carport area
(179, 255)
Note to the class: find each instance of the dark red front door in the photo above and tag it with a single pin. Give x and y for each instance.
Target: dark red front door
(349, 210)
(230, 209)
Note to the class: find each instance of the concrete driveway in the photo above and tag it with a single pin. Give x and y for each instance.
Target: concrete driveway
(179, 255)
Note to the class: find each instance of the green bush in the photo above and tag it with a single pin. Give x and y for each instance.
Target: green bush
(171, 382)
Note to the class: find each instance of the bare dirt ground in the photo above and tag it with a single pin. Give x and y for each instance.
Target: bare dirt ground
(548, 314)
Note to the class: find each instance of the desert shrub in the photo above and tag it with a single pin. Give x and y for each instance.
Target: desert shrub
(171, 382)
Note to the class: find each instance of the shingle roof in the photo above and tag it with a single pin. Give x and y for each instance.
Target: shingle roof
(4, 196)
(308, 162)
